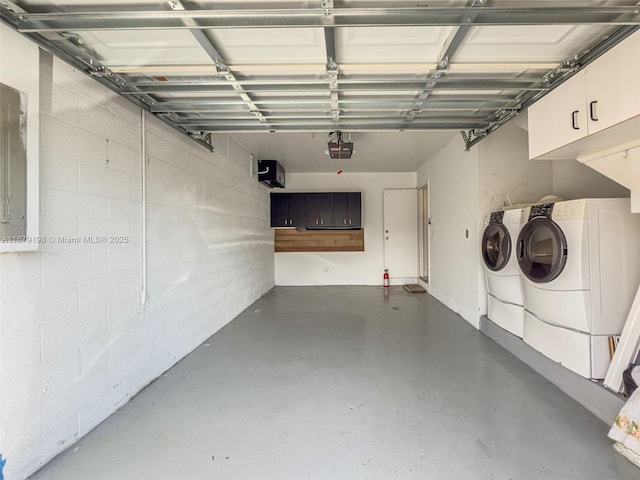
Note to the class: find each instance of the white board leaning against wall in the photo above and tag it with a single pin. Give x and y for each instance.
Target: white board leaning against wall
(20, 139)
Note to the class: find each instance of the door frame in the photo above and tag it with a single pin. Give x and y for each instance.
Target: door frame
(424, 227)
(415, 274)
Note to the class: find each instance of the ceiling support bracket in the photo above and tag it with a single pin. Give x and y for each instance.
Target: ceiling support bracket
(473, 136)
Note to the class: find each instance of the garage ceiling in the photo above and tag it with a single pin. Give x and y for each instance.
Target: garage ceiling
(318, 66)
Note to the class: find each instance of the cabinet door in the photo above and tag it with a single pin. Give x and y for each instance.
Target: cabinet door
(279, 209)
(325, 208)
(612, 85)
(340, 209)
(559, 118)
(297, 209)
(319, 210)
(354, 209)
(312, 214)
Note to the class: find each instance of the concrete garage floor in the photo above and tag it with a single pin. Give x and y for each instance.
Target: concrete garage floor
(347, 383)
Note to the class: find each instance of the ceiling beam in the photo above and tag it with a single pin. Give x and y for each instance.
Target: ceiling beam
(410, 86)
(461, 98)
(330, 126)
(467, 100)
(83, 19)
(315, 116)
(468, 79)
(365, 69)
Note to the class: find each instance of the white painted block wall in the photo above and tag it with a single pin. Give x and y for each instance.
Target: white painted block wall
(343, 268)
(76, 341)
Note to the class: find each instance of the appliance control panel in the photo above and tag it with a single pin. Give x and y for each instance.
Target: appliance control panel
(544, 210)
(496, 217)
(571, 210)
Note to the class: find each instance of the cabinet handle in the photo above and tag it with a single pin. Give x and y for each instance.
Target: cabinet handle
(322, 222)
(574, 120)
(592, 111)
(349, 221)
(316, 221)
(345, 221)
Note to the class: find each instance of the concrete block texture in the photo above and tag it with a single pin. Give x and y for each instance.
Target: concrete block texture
(84, 325)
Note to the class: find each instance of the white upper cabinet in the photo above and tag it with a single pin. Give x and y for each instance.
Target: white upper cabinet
(596, 109)
(613, 95)
(558, 118)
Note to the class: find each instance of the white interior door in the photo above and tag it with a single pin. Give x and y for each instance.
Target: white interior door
(401, 235)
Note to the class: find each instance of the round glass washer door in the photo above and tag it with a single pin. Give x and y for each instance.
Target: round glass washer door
(496, 246)
(542, 250)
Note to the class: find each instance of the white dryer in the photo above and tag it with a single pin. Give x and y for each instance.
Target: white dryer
(504, 286)
(580, 265)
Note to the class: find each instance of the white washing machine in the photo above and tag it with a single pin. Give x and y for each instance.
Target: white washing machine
(504, 286)
(580, 266)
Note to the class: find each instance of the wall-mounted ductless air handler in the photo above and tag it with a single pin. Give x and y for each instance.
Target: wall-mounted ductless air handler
(271, 173)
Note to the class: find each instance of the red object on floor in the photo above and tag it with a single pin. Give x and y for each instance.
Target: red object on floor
(385, 278)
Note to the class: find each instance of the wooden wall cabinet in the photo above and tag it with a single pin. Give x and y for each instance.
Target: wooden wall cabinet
(287, 210)
(317, 210)
(347, 209)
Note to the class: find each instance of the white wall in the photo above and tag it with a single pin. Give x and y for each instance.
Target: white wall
(453, 198)
(572, 179)
(343, 268)
(76, 341)
(504, 168)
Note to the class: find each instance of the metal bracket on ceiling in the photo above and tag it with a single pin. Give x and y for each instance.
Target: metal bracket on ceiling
(98, 70)
(333, 79)
(443, 67)
(567, 67)
(74, 38)
(472, 136)
(11, 7)
(203, 137)
(411, 114)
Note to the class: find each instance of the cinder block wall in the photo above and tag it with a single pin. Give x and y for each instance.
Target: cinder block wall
(78, 339)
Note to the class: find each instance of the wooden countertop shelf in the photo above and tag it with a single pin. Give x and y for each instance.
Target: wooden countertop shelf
(292, 240)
